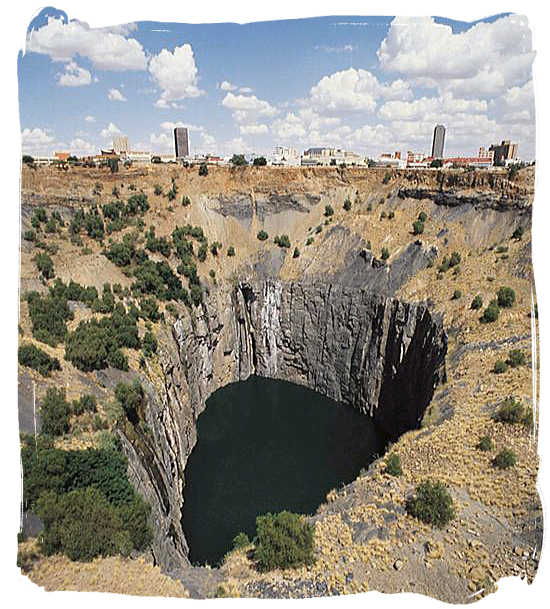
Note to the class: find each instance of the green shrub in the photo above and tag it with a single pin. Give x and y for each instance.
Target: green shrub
(310, 240)
(86, 403)
(418, 227)
(185, 201)
(432, 504)
(44, 265)
(506, 458)
(383, 215)
(485, 444)
(491, 313)
(510, 411)
(318, 229)
(150, 344)
(500, 367)
(49, 315)
(296, 253)
(282, 241)
(240, 541)
(34, 357)
(215, 248)
(455, 259)
(393, 465)
(347, 204)
(518, 233)
(55, 412)
(422, 217)
(130, 397)
(506, 297)
(262, 235)
(385, 253)
(260, 161)
(157, 189)
(456, 295)
(329, 211)
(391, 215)
(516, 357)
(477, 303)
(230, 251)
(282, 541)
(149, 309)
(203, 169)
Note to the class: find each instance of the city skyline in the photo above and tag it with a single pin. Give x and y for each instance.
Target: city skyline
(361, 84)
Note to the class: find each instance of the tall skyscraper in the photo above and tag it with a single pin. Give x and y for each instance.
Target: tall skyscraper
(181, 141)
(438, 142)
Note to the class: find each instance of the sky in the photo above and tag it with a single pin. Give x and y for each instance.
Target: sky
(367, 84)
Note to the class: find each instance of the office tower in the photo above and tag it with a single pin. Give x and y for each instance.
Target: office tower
(181, 141)
(438, 142)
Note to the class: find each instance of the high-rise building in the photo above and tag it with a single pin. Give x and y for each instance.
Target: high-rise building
(120, 144)
(505, 151)
(438, 142)
(181, 141)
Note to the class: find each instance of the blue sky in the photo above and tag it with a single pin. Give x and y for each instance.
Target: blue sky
(364, 84)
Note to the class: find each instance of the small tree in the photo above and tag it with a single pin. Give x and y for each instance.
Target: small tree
(506, 297)
(262, 235)
(55, 412)
(329, 211)
(230, 251)
(347, 204)
(283, 541)
(393, 465)
(477, 303)
(282, 241)
(45, 265)
(506, 458)
(432, 504)
(238, 160)
(491, 313)
(260, 161)
(418, 227)
(203, 169)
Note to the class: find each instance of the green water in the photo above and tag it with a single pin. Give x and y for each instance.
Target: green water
(266, 446)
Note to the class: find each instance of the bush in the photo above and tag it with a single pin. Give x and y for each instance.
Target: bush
(203, 169)
(49, 315)
(238, 160)
(33, 357)
(347, 204)
(510, 411)
(282, 541)
(55, 412)
(391, 215)
(329, 211)
(45, 265)
(454, 259)
(260, 161)
(282, 241)
(491, 313)
(240, 541)
(385, 253)
(393, 465)
(506, 297)
(157, 189)
(296, 253)
(477, 303)
(310, 240)
(150, 344)
(518, 233)
(230, 251)
(431, 504)
(500, 367)
(215, 248)
(86, 403)
(485, 444)
(418, 227)
(262, 235)
(422, 217)
(130, 397)
(185, 201)
(516, 358)
(506, 458)
(456, 295)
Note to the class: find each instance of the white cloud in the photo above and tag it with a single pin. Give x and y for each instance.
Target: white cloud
(484, 60)
(227, 86)
(304, 125)
(347, 48)
(116, 95)
(247, 109)
(431, 108)
(253, 129)
(176, 74)
(354, 90)
(74, 76)
(81, 146)
(245, 90)
(163, 142)
(89, 118)
(36, 140)
(107, 50)
(110, 130)
(170, 126)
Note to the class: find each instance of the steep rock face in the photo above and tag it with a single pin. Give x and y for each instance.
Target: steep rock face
(377, 354)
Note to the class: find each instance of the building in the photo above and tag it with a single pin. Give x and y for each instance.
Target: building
(285, 156)
(138, 156)
(438, 143)
(504, 153)
(391, 159)
(480, 162)
(61, 156)
(418, 160)
(330, 156)
(181, 142)
(120, 144)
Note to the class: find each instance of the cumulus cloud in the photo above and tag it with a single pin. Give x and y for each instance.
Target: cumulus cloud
(431, 108)
(89, 118)
(107, 50)
(227, 86)
(354, 90)
(486, 59)
(116, 95)
(36, 140)
(110, 130)
(245, 106)
(176, 74)
(80, 146)
(170, 126)
(74, 76)
(304, 125)
(254, 129)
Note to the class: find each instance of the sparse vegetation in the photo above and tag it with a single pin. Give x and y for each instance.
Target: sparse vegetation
(432, 503)
(516, 357)
(491, 313)
(393, 465)
(282, 241)
(283, 541)
(504, 459)
(457, 294)
(510, 411)
(485, 444)
(347, 205)
(500, 367)
(262, 235)
(418, 227)
(477, 303)
(44, 264)
(506, 297)
(329, 211)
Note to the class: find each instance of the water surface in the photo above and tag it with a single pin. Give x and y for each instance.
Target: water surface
(266, 446)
